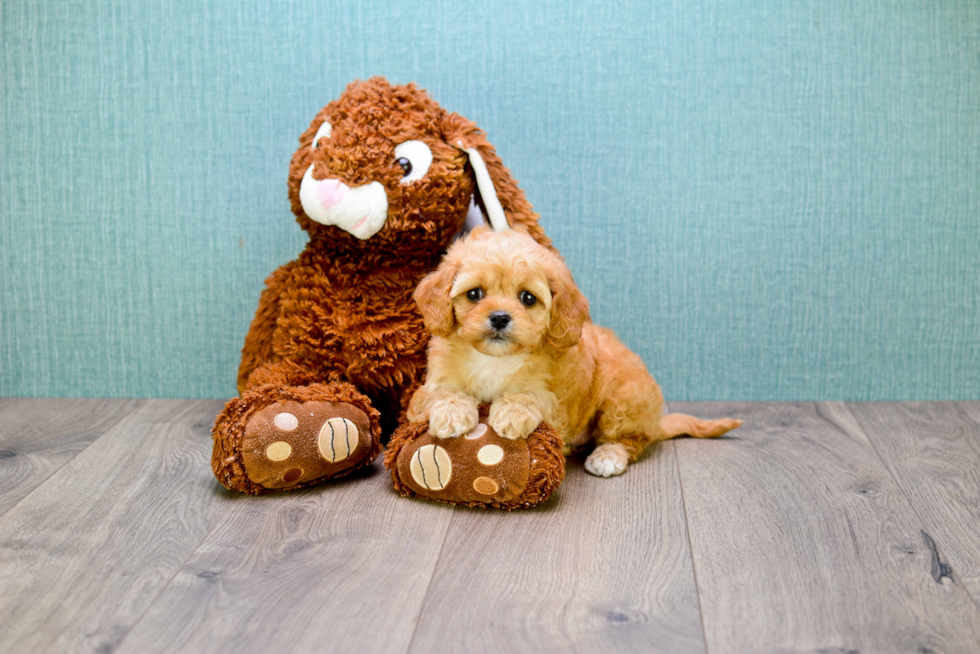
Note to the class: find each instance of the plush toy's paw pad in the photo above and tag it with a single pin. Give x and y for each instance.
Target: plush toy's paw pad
(337, 439)
(607, 460)
(431, 467)
(479, 467)
(289, 443)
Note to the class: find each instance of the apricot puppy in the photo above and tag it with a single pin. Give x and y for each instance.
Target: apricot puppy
(510, 327)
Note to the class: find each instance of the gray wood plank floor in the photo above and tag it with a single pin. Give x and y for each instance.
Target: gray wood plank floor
(933, 452)
(605, 566)
(803, 541)
(813, 528)
(38, 436)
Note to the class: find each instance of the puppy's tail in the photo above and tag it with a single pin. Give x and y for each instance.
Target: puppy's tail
(677, 424)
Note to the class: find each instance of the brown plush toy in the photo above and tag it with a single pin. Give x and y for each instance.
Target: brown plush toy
(480, 468)
(382, 181)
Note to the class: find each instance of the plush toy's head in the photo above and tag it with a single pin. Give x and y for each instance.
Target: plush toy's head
(384, 169)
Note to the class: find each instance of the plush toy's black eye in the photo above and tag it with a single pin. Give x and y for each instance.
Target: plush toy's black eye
(475, 294)
(527, 299)
(414, 157)
(322, 132)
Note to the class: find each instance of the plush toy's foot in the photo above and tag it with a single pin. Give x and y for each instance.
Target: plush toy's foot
(275, 438)
(481, 468)
(289, 443)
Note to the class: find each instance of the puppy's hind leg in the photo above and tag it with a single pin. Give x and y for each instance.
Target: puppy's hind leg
(613, 452)
(621, 436)
(628, 417)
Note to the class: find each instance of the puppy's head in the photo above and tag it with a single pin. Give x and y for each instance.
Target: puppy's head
(503, 293)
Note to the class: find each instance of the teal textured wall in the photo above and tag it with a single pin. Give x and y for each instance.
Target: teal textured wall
(767, 200)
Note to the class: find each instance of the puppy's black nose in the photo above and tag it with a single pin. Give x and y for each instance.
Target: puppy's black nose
(499, 320)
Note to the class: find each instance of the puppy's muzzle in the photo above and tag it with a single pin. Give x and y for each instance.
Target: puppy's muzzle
(499, 320)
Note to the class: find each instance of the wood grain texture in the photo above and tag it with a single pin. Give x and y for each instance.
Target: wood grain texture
(933, 451)
(84, 555)
(803, 542)
(38, 436)
(604, 566)
(813, 528)
(342, 567)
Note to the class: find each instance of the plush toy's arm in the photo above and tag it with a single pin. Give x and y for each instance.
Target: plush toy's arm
(258, 342)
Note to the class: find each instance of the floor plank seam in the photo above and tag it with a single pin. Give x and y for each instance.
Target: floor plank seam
(163, 589)
(690, 546)
(69, 461)
(776, 510)
(428, 587)
(968, 419)
(928, 539)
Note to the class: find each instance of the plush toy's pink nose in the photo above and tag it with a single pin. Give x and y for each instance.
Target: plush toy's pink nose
(331, 192)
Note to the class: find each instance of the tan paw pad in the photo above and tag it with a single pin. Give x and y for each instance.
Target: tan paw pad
(286, 421)
(278, 451)
(337, 439)
(431, 467)
(485, 486)
(292, 475)
(490, 455)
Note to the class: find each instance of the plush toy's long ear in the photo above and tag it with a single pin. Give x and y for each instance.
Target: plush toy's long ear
(464, 134)
(435, 303)
(495, 212)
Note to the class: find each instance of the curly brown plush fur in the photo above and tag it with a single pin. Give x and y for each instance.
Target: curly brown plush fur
(342, 312)
(543, 474)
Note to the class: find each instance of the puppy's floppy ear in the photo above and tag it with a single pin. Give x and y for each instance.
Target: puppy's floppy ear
(465, 135)
(435, 303)
(569, 309)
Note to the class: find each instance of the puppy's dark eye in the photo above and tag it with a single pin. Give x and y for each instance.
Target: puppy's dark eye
(406, 165)
(474, 294)
(527, 299)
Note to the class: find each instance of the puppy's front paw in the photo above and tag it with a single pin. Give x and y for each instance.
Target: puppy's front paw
(451, 417)
(607, 460)
(513, 419)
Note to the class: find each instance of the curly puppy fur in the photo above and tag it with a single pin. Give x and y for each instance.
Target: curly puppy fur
(342, 312)
(511, 328)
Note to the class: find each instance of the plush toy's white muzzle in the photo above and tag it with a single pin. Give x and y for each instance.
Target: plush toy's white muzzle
(361, 210)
